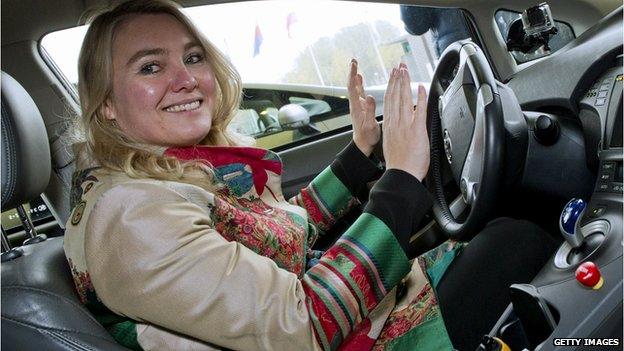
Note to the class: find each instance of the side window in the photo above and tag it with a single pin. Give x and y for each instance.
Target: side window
(293, 57)
(266, 114)
(295, 61)
(564, 35)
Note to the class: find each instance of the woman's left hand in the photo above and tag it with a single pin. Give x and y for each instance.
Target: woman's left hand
(366, 131)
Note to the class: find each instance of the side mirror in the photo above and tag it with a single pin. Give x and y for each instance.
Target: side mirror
(293, 116)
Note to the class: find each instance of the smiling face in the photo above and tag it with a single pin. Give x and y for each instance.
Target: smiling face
(163, 87)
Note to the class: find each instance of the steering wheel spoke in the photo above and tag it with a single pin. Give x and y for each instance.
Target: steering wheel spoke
(472, 169)
(460, 77)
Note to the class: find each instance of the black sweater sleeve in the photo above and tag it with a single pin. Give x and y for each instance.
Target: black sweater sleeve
(354, 170)
(400, 201)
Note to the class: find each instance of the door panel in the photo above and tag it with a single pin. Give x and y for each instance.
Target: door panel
(302, 163)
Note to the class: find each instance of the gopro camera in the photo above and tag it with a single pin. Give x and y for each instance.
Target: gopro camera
(537, 19)
(532, 30)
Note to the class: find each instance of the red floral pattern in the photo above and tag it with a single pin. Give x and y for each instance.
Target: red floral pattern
(421, 309)
(268, 231)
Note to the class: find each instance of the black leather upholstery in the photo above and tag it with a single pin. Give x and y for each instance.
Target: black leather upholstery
(40, 309)
(25, 153)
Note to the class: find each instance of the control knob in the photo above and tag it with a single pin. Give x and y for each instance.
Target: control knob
(546, 130)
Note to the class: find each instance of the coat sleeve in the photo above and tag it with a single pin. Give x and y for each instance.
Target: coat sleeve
(418, 19)
(155, 257)
(337, 189)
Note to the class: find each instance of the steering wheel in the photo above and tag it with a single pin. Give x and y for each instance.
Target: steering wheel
(466, 130)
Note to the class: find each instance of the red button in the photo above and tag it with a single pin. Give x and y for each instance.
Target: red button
(589, 275)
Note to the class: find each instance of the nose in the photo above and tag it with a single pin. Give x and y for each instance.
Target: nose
(183, 79)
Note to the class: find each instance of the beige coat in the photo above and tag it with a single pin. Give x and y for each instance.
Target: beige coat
(152, 252)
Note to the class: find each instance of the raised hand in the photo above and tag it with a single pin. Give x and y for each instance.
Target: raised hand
(366, 131)
(405, 141)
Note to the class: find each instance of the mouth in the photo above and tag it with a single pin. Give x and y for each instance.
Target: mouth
(185, 106)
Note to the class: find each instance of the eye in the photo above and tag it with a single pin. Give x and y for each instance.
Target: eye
(149, 68)
(194, 58)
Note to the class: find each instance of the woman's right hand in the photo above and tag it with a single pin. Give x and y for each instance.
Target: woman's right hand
(405, 139)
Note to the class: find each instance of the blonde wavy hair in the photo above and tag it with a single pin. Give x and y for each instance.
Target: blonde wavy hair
(105, 143)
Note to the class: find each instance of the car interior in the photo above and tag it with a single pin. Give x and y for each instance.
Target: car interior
(521, 126)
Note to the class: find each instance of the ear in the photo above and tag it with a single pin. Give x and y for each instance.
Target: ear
(108, 110)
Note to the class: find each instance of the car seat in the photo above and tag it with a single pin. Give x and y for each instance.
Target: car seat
(40, 309)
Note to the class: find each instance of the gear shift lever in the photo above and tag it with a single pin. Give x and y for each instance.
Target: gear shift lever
(578, 246)
(569, 222)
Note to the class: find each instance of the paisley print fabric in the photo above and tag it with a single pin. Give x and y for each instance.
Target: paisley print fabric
(266, 230)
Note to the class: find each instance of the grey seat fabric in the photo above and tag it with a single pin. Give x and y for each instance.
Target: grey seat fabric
(40, 309)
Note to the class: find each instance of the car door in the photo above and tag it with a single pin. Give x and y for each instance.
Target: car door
(307, 147)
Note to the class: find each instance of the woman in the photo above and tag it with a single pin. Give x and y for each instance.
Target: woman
(180, 238)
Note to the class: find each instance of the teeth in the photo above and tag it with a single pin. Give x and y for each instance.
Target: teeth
(184, 107)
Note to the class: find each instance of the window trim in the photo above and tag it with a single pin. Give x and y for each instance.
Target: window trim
(478, 39)
(51, 64)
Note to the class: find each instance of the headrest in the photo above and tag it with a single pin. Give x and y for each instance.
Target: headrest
(26, 162)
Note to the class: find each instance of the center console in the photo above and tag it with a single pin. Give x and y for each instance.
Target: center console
(558, 310)
(556, 305)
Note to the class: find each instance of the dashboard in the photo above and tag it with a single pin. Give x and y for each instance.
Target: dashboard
(579, 90)
(601, 117)
(604, 101)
